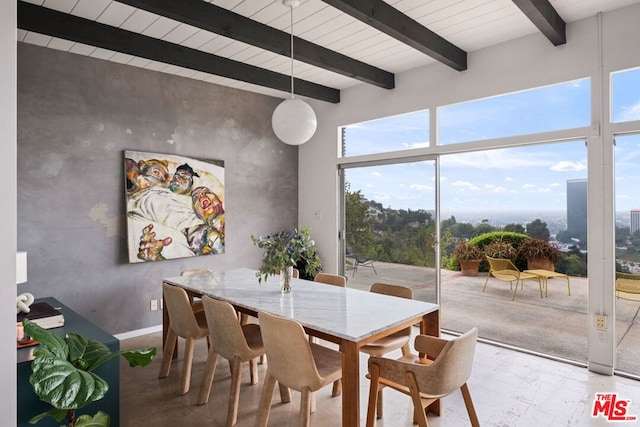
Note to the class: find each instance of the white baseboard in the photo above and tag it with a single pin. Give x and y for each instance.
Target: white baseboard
(139, 332)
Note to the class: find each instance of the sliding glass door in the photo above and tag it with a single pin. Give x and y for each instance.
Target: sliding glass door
(390, 226)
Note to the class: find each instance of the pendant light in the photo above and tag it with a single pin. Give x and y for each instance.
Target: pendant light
(293, 121)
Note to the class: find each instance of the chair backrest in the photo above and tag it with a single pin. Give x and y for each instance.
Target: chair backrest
(181, 317)
(331, 279)
(195, 271)
(393, 290)
(226, 332)
(289, 356)
(451, 369)
(497, 264)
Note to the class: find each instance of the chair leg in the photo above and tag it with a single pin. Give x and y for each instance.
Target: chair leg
(285, 393)
(207, 378)
(265, 400)
(380, 405)
(419, 413)
(468, 402)
(167, 354)
(306, 406)
(486, 281)
(234, 397)
(373, 394)
(337, 388)
(253, 371)
(187, 362)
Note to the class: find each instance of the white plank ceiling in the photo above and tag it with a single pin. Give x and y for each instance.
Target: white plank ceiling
(468, 24)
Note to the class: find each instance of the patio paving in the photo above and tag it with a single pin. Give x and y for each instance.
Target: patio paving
(554, 325)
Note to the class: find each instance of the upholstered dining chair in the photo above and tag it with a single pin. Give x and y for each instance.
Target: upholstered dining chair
(184, 323)
(334, 280)
(331, 279)
(235, 342)
(295, 363)
(195, 301)
(398, 340)
(440, 368)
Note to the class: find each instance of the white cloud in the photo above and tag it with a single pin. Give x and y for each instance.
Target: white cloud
(508, 179)
(630, 113)
(555, 184)
(466, 185)
(568, 166)
(420, 187)
(528, 186)
(495, 188)
(376, 174)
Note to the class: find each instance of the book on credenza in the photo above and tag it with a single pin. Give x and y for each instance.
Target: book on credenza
(43, 315)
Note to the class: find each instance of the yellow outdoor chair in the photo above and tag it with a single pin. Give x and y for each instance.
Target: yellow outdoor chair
(503, 269)
(628, 286)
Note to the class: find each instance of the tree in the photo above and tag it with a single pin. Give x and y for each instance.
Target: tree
(513, 227)
(538, 229)
(358, 227)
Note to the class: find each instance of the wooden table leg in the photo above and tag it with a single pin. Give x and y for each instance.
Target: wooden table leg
(350, 384)
(431, 326)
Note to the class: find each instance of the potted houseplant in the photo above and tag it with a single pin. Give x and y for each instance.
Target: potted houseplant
(469, 257)
(540, 254)
(283, 251)
(62, 374)
(501, 249)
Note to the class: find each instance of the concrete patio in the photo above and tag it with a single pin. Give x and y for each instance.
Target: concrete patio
(555, 325)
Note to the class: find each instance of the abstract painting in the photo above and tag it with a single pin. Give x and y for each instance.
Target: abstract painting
(175, 206)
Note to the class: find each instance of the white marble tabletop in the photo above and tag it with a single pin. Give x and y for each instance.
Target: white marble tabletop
(349, 314)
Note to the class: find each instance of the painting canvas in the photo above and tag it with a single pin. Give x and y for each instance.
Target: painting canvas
(175, 206)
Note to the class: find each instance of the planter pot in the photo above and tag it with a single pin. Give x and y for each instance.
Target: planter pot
(470, 267)
(540, 264)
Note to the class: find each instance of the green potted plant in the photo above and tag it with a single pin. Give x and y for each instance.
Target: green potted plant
(469, 257)
(501, 249)
(540, 254)
(288, 249)
(62, 374)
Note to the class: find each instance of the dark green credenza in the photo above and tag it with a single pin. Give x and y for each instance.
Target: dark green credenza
(28, 403)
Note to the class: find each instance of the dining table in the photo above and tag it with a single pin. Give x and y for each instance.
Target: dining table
(350, 318)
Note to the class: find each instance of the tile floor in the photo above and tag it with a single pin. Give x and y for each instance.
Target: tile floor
(509, 389)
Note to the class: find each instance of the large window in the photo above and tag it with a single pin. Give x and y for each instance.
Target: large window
(404, 132)
(561, 106)
(625, 89)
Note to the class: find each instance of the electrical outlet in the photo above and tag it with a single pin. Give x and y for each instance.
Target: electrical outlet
(154, 305)
(600, 321)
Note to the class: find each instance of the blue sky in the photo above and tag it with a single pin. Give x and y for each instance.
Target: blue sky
(515, 179)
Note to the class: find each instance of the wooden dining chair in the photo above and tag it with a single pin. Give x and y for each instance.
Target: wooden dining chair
(440, 368)
(235, 342)
(398, 340)
(184, 323)
(294, 363)
(331, 279)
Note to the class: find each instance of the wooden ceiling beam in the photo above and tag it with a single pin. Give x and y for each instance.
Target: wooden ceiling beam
(546, 18)
(392, 22)
(57, 24)
(222, 21)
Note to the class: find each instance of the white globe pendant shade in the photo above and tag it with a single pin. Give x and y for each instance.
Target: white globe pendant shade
(294, 121)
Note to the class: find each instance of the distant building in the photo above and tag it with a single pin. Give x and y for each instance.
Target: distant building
(634, 224)
(577, 208)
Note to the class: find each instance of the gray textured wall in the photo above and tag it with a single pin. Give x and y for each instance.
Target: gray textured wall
(76, 116)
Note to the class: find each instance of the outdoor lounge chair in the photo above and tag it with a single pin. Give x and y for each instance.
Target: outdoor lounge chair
(628, 286)
(360, 261)
(503, 269)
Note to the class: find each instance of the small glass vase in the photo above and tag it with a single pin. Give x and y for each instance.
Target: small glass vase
(286, 276)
